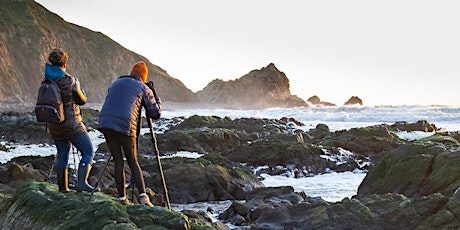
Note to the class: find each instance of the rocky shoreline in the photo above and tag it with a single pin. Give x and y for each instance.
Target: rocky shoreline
(410, 184)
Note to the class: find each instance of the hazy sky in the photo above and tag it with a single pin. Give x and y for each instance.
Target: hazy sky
(386, 52)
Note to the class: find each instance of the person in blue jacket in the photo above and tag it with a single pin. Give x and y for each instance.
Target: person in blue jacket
(120, 122)
(71, 130)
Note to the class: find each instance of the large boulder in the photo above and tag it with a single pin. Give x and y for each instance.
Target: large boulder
(39, 205)
(202, 140)
(17, 172)
(287, 157)
(424, 167)
(22, 128)
(366, 140)
(262, 127)
(282, 208)
(209, 178)
(420, 125)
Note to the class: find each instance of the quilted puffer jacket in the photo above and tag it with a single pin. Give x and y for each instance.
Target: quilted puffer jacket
(72, 96)
(122, 107)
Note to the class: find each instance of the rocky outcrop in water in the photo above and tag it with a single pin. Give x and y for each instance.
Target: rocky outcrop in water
(267, 87)
(315, 100)
(415, 186)
(354, 100)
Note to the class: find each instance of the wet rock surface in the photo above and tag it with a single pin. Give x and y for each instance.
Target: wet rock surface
(409, 184)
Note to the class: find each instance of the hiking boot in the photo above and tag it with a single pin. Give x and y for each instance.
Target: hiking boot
(145, 200)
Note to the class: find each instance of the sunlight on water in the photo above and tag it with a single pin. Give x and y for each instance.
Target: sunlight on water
(342, 117)
(331, 187)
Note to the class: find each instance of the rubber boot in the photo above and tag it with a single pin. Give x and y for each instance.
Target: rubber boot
(63, 180)
(83, 173)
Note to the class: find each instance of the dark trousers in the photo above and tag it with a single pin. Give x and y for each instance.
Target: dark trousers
(117, 142)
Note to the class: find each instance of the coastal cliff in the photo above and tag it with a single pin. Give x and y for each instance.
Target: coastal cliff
(28, 32)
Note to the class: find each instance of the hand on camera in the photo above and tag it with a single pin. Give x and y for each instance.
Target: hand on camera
(151, 86)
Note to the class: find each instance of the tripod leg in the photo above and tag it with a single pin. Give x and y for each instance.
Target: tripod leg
(75, 167)
(160, 168)
(51, 169)
(132, 189)
(98, 179)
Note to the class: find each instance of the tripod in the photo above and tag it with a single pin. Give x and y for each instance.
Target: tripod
(157, 152)
(98, 180)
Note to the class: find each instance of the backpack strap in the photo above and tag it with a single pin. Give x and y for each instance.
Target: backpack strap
(68, 103)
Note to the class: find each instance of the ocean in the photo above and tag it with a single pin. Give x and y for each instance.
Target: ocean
(343, 117)
(330, 186)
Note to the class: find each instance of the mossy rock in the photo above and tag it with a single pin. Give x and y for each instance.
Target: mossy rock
(367, 140)
(90, 117)
(419, 168)
(39, 205)
(23, 128)
(248, 125)
(281, 152)
(203, 140)
(197, 121)
(402, 171)
(206, 180)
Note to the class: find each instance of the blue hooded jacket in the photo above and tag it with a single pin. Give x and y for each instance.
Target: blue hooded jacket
(121, 111)
(53, 72)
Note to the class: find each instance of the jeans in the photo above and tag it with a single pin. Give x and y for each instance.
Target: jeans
(82, 142)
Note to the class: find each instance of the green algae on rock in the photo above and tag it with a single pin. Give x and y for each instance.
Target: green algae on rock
(39, 205)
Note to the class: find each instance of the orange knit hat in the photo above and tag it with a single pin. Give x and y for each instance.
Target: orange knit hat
(140, 69)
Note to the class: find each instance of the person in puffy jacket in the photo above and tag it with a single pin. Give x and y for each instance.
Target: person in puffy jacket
(71, 130)
(120, 122)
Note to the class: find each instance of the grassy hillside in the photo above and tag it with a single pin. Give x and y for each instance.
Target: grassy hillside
(28, 31)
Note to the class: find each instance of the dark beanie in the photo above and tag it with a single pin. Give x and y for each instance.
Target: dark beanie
(57, 57)
(140, 69)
